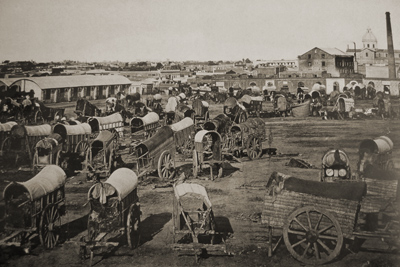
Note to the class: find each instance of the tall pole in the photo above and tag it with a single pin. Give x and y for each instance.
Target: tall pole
(391, 60)
(355, 58)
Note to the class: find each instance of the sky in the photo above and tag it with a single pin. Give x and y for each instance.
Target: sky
(178, 30)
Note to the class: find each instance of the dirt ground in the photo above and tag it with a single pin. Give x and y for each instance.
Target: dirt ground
(237, 200)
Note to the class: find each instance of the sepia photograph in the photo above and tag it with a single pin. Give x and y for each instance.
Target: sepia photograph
(200, 133)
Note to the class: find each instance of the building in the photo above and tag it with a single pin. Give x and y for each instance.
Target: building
(332, 60)
(68, 88)
(371, 60)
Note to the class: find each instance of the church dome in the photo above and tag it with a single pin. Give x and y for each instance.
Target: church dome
(369, 36)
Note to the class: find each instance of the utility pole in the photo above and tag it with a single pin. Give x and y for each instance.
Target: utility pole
(355, 58)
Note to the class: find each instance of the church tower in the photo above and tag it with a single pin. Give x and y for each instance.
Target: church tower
(369, 40)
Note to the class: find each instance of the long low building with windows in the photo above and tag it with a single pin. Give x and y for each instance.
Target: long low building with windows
(68, 88)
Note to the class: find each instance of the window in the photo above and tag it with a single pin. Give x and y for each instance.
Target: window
(366, 54)
(373, 46)
(386, 55)
(368, 45)
(309, 64)
(322, 55)
(309, 56)
(323, 63)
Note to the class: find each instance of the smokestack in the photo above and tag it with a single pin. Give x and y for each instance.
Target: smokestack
(391, 62)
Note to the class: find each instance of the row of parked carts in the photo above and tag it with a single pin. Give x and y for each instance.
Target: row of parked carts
(115, 207)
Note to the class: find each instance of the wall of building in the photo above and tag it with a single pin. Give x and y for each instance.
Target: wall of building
(394, 85)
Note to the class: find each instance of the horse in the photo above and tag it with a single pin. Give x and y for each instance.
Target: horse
(10, 110)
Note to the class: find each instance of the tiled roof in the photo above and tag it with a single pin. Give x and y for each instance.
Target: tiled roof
(51, 82)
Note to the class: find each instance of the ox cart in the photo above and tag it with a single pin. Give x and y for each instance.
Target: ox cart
(221, 124)
(315, 219)
(201, 114)
(335, 166)
(281, 105)
(376, 152)
(235, 111)
(5, 129)
(65, 139)
(181, 111)
(193, 216)
(253, 104)
(113, 123)
(246, 136)
(34, 208)
(114, 213)
(156, 154)
(20, 145)
(184, 132)
(207, 153)
(144, 127)
(84, 109)
(100, 155)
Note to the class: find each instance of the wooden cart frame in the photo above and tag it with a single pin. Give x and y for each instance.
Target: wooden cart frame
(247, 136)
(184, 132)
(376, 152)
(196, 223)
(202, 114)
(335, 166)
(234, 110)
(22, 141)
(114, 211)
(156, 154)
(40, 214)
(314, 218)
(207, 153)
(143, 128)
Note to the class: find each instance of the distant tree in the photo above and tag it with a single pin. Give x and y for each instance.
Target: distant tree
(159, 66)
(248, 61)
(143, 63)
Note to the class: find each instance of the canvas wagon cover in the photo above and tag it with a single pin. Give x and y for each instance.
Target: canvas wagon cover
(186, 188)
(78, 129)
(150, 118)
(104, 136)
(230, 102)
(46, 181)
(123, 181)
(382, 144)
(6, 127)
(247, 99)
(21, 131)
(198, 138)
(110, 119)
(183, 124)
(162, 136)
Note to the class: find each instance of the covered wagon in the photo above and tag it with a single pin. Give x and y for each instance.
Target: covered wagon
(35, 208)
(375, 152)
(184, 132)
(5, 129)
(64, 139)
(20, 145)
(253, 104)
(144, 127)
(156, 154)
(193, 215)
(235, 111)
(113, 122)
(100, 155)
(114, 212)
(201, 114)
(207, 153)
(247, 136)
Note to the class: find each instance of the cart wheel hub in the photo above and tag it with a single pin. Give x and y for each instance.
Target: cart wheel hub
(50, 226)
(312, 236)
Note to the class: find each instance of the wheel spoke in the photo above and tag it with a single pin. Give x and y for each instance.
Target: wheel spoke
(296, 232)
(305, 251)
(308, 219)
(298, 243)
(324, 246)
(325, 229)
(316, 251)
(296, 220)
(319, 221)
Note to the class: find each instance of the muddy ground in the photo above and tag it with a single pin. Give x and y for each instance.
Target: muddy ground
(237, 200)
